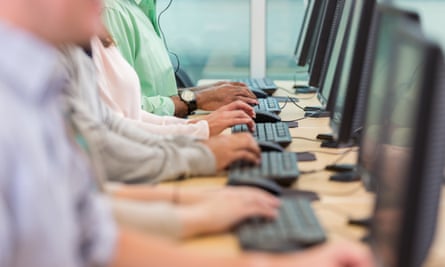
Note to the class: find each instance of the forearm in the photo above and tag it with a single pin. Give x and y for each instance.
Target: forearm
(158, 193)
(137, 250)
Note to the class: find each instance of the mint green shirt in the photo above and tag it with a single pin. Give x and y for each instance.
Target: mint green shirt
(134, 27)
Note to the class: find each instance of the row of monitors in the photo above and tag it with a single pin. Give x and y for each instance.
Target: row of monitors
(376, 71)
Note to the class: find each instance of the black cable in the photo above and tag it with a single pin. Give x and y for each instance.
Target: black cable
(343, 156)
(311, 172)
(329, 153)
(306, 139)
(299, 119)
(293, 93)
(159, 22)
(296, 104)
(178, 65)
(285, 104)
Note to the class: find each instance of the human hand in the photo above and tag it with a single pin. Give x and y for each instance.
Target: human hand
(229, 115)
(224, 93)
(230, 148)
(227, 208)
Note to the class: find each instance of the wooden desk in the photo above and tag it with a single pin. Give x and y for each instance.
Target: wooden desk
(338, 201)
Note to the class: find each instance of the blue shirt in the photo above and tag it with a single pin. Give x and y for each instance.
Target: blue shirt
(50, 213)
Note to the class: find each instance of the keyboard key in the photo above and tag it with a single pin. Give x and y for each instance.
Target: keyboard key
(272, 132)
(282, 168)
(266, 84)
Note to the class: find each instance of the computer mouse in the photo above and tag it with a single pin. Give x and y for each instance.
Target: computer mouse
(259, 183)
(259, 93)
(270, 146)
(265, 116)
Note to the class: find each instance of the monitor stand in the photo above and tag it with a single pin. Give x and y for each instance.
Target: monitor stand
(336, 144)
(362, 222)
(317, 114)
(303, 89)
(365, 223)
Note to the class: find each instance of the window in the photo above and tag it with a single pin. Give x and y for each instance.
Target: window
(431, 12)
(211, 37)
(284, 19)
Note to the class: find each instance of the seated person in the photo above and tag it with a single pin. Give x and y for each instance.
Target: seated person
(51, 211)
(131, 154)
(134, 27)
(120, 89)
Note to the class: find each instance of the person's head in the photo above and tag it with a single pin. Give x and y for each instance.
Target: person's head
(57, 21)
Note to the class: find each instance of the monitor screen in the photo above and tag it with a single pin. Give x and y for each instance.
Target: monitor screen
(386, 21)
(328, 29)
(319, 15)
(305, 52)
(395, 150)
(304, 30)
(336, 55)
(351, 46)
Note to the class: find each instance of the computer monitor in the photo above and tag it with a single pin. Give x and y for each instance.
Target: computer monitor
(387, 19)
(412, 154)
(329, 83)
(344, 108)
(311, 28)
(329, 27)
(303, 30)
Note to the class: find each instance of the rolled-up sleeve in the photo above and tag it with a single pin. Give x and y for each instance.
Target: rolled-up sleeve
(99, 235)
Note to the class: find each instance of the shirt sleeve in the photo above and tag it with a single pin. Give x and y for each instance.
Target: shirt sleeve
(159, 105)
(154, 218)
(129, 154)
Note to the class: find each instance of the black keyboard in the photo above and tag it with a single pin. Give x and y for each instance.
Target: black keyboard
(265, 84)
(280, 167)
(277, 132)
(295, 228)
(269, 104)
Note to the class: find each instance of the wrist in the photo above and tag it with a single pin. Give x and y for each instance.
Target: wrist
(193, 221)
(199, 99)
(190, 196)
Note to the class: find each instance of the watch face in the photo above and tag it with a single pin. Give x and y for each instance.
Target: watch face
(188, 95)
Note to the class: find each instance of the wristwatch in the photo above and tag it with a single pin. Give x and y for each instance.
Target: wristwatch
(189, 98)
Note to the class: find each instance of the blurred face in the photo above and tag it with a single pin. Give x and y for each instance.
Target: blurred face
(66, 21)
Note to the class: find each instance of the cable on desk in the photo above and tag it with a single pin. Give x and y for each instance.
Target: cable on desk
(311, 172)
(330, 153)
(344, 193)
(306, 139)
(293, 93)
(342, 156)
(299, 119)
(296, 104)
(285, 104)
